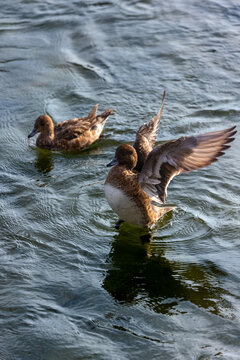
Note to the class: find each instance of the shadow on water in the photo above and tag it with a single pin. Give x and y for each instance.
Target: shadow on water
(44, 162)
(138, 273)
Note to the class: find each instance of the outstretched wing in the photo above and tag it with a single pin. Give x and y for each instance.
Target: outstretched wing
(182, 155)
(146, 137)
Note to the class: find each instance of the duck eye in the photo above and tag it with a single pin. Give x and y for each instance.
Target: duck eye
(41, 123)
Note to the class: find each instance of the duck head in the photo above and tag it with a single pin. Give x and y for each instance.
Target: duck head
(44, 125)
(125, 155)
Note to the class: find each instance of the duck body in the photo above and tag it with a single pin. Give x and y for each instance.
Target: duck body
(128, 200)
(74, 134)
(136, 186)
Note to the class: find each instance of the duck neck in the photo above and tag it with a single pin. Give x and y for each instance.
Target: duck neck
(46, 137)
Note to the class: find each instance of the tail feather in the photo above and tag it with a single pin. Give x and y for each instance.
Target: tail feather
(93, 112)
(103, 117)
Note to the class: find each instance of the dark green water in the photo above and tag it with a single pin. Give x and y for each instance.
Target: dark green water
(71, 285)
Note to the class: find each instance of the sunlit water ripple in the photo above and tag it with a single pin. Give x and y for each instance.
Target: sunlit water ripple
(72, 286)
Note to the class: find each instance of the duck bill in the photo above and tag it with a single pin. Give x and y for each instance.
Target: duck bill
(34, 132)
(113, 162)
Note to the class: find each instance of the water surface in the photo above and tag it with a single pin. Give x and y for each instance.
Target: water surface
(71, 285)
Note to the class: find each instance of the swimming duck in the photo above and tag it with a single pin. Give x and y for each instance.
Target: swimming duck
(74, 134)
(136, 187)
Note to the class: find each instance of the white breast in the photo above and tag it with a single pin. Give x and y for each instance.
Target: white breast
(122, 205)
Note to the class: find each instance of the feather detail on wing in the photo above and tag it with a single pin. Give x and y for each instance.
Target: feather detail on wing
(146, 137)
(72, 129)
(83, 122)
(182, 155)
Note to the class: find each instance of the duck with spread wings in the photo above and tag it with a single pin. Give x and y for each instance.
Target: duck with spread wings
(142, 173)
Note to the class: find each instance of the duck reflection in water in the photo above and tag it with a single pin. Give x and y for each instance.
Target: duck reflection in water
(44, 162)
(140, 273)
(45, 158)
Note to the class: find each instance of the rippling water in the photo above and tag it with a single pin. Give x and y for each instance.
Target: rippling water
(71, 285)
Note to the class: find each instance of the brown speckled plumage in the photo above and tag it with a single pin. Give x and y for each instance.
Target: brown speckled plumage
(124, 178)
(75, 134)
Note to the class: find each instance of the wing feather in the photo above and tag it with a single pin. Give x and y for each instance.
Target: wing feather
(146, 137)
(182, 155)
(72, 129)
